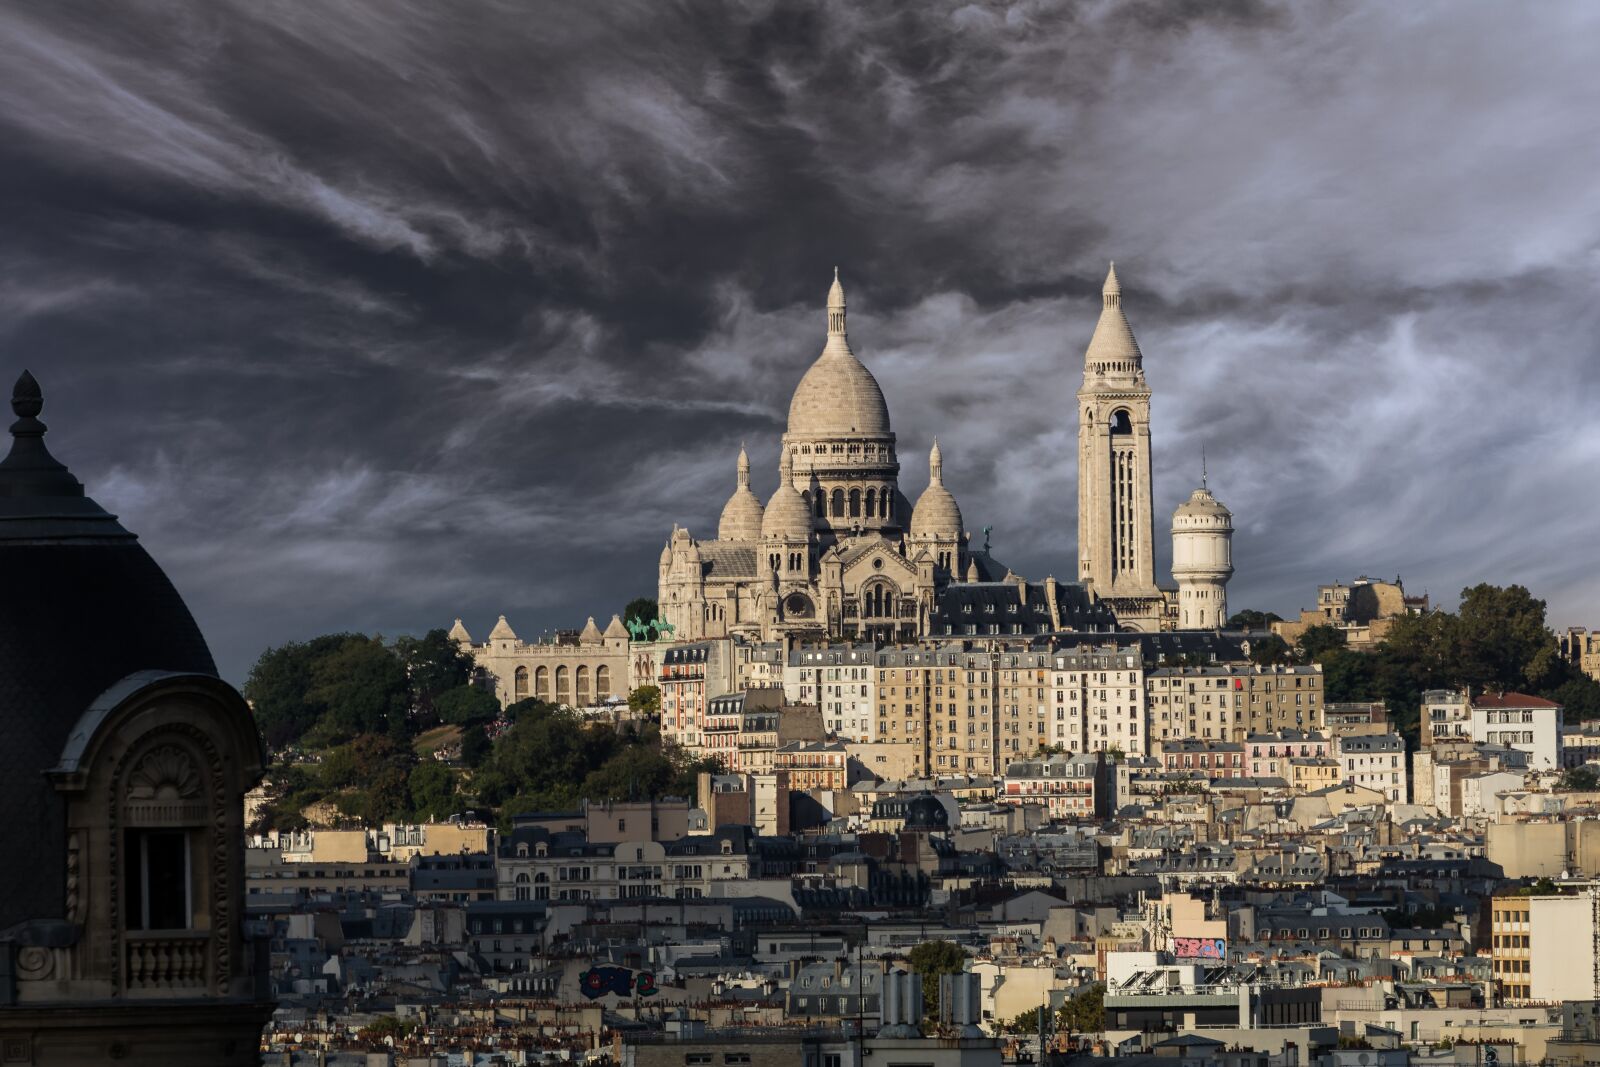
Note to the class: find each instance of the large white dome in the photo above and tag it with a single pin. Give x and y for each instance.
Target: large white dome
(837, 395)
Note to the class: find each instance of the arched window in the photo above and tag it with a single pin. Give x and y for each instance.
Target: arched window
(855, 503)
(602, 682)
(563, 685)
(583, 685)
(883, 503)
(1120, 422)
(519, 685)
(821, 503)
(541, 683)
(872, 503)
(838, 503)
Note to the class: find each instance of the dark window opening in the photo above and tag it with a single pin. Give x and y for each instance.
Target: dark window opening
(159, 880)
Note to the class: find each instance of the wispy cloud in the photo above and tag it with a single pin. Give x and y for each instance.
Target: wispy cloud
(371, 315)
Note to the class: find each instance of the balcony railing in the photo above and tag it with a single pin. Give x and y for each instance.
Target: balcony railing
(170, 959)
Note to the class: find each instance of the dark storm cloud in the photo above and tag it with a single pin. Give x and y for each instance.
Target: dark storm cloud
(368, 315)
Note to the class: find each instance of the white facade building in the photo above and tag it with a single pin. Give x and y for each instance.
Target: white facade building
(841, 679)
(1526, 723)
(1376, 761)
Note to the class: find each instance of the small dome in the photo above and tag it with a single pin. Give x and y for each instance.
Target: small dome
(787, 516)
(1202, 507)
(666, 555)
(838, 395)
(741, 516)
(936, 514)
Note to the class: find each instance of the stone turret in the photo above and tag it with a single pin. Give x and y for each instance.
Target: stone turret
(1202, 560)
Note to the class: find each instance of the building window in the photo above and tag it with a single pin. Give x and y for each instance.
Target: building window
(159, 896)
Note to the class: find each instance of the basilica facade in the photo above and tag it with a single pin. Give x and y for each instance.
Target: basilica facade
(839, 550)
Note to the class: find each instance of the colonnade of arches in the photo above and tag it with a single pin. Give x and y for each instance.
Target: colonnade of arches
(578, 685)
(874, 502)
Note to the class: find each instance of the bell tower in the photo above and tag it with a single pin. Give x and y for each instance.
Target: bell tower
(1115, 508)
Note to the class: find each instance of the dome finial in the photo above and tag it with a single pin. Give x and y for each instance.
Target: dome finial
(744, 468)
(27, 399)
(1111, 292)
(935, 464)
(836, 307)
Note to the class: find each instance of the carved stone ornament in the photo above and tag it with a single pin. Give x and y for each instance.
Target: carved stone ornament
(164, 773)
(34, 963)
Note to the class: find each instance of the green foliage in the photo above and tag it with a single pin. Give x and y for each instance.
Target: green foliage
(475, 745)
(640, 609)
(1269, 650)
(1252, 620)
(386, 1027)
(933, 959)
(528, 705)
(432, 787)
(645, 700)
(1086, 1012)
(465, 704)
(363, 686)
(434, 665)
(1318, 642)
(1584, 779)
(371, 778)
(632, 774)
(279, 688)
(1026, 1023)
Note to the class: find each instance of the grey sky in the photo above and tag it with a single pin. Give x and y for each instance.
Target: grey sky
(368, 315)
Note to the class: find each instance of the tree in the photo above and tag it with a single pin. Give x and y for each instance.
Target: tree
(1252, 620)
(1583, 779)
(933, 960)
(372, 775)
(475, 745)
(466, 704)
(434, 665)
(1502, 640)
(1086, 1012)
(632, 774)
(363, 685)
(432, 786)
(1268, 650)
(279, 688)
(529, 706)
(640, 609)
(645, 700)
(1319, 641)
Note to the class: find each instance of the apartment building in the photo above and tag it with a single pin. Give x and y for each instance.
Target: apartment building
(1228, 702)
(1376, 761)
(841, 679)
(1098, 700)
(1516, 720)
(1446, 716)
(691, 675)
(1268, 754)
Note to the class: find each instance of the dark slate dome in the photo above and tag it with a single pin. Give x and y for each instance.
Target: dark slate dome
(85, 606)
(924, 812)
